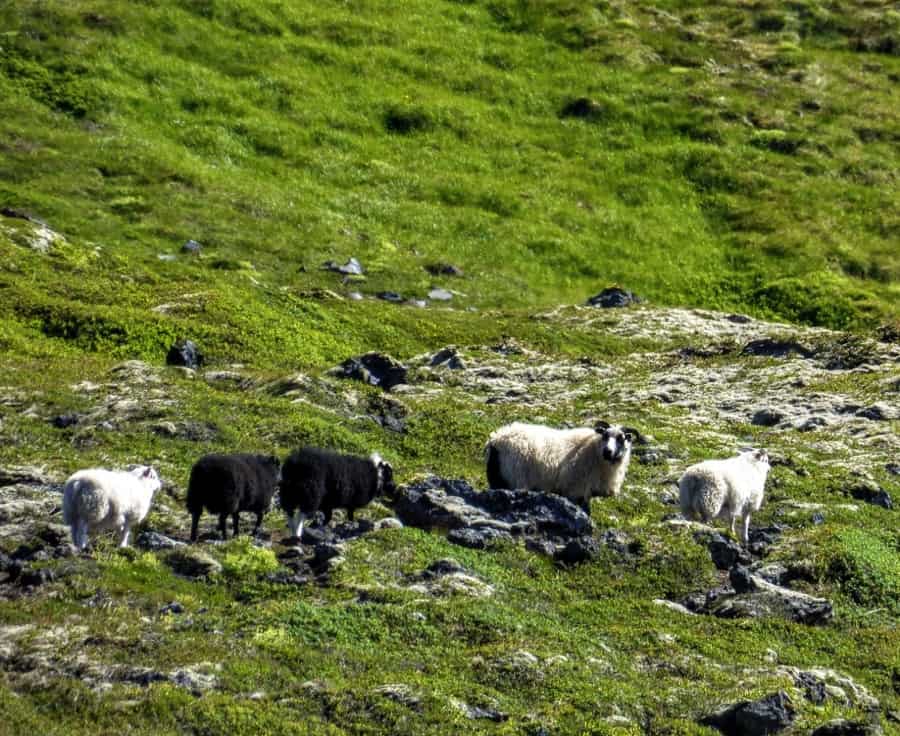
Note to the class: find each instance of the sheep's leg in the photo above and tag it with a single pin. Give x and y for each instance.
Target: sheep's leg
(195, 522)
(259, 519)
(733, 518)
(80, 534)
(295, 523)
(223, 525)
(746, 539)
(350, 511)
(236, 523)
(326, 513)
(124, 532)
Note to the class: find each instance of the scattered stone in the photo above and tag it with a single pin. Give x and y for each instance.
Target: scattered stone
(474, 712)
(614, 296)
(443, 269)
(192, 247)
(879, 412)
(192, 563)
(583, 108)
(389, 413)
(28, 475)
(63, 421)
(576, 551)
(154, 541)
(388, 523)
(725, 553)
(672, 605)
(174, 608)
(447, 358)
(185, 353)
(772, 348)
(620, 543)
(375, 369)
(872, 493)
(351, 268)
(768, 715)
(842, 727)
(402, 694)
(354, 296)
(447, 577)
(755, 597)
(738, 319)
(390, 296)
(479, 538)
(440, 295)
(767, 418)
(893, 468)
(813, 687)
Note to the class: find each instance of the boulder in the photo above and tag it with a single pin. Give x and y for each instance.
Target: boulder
(762, 717)
(612, 297)
(185, 353)
(375, 369)
(192, 563)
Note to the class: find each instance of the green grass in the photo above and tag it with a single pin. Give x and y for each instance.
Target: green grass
(733, 156)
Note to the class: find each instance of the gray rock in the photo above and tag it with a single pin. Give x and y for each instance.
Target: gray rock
(768, 715)
(390, 296)
(879, 412)
(772, 348)
(402, 694)
(447, 358)
(443, 269)
(351, 268)
(64, 421)
(192, 247)
(185, 353)
(440, 295)
(576, 551)
(477, 538)
(614, 297)
(725, 553)
(893, 468)
(474, 712)
(375, 369)
(155, 541)
(174, 608)
(842, 727)
(192, 563)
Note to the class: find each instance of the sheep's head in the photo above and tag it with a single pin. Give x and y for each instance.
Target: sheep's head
(273, 465)
(615, 441)
(757, 457)
(385, 475)
(148, 477)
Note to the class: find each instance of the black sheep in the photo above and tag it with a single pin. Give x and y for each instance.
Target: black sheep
(228, 484)
(320, 480)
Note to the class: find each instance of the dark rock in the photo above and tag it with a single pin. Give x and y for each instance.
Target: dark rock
(389, 413)
(390, 296)
(540, 546)
(291, 553)
(325, 552)
(873, 494)
(620, 543)
(29, 578)
(185, 353)
(351, 268)
(174, 607)
(813, 687)
(768, 715)
(738, 319)
(842, 727)
(762, 538)
(317, 535)
(741, 580)
(375, 369)
(725, 553)
(878, 412)
(18, 214)
(445, 566)
(476, 538)
(51, 535)
(772, 348)
(818, 518)
(614, 297)
(474, 712)
(447, 358)
(192, 247)
(154, 541)
(286, 577)
(443, 269)
(767, 418)
(576, 551)
(583, 108)
(63, 421)
(893, 468)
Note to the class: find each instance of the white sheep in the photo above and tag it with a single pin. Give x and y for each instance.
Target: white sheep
(575, 463)
(725, 488)
(97, 499)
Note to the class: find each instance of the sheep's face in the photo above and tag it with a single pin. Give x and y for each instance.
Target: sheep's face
(615, 442)
(148, 477)
(273, 465)
(385, 477)
(758, 457)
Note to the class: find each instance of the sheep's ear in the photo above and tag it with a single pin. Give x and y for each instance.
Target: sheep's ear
(633, 435)
(761, 455)
(148, 471)
(600, 426)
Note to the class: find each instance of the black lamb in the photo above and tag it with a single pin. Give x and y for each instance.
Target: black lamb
(321, 480)
(228, 484)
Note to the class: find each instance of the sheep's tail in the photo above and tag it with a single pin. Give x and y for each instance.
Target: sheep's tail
(688, 495)
(494, 476)
(68, 506)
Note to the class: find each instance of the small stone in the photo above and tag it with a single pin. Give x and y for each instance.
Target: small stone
(443, 269)
(893, 468)
(174, 608)
(193, 563)
(725, 553)
(447, 358)
(354, 296)
(767, 418)
(154, 541)
(872, 493)
(440, 295)
(64, 421)
(768, 715)
(576, 551)
(192, 247)
(878, 412)
(772, 348)
(842, 727)
(351, 268)
(614, 297)
(375, 369)
(389, 523)
(474, 712)
(185, 353)
(390, 296)
(740, 579)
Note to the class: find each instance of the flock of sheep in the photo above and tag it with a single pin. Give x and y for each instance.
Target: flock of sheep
(576, 463)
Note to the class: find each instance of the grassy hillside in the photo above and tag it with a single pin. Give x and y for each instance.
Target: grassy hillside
(734, 156)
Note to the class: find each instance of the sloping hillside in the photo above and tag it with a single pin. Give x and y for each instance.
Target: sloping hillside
(490, 165)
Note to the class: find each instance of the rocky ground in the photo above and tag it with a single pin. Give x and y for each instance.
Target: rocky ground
(824, 403)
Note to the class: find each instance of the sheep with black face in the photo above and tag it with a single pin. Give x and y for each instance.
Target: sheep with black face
(315, 480)
(576, 463)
